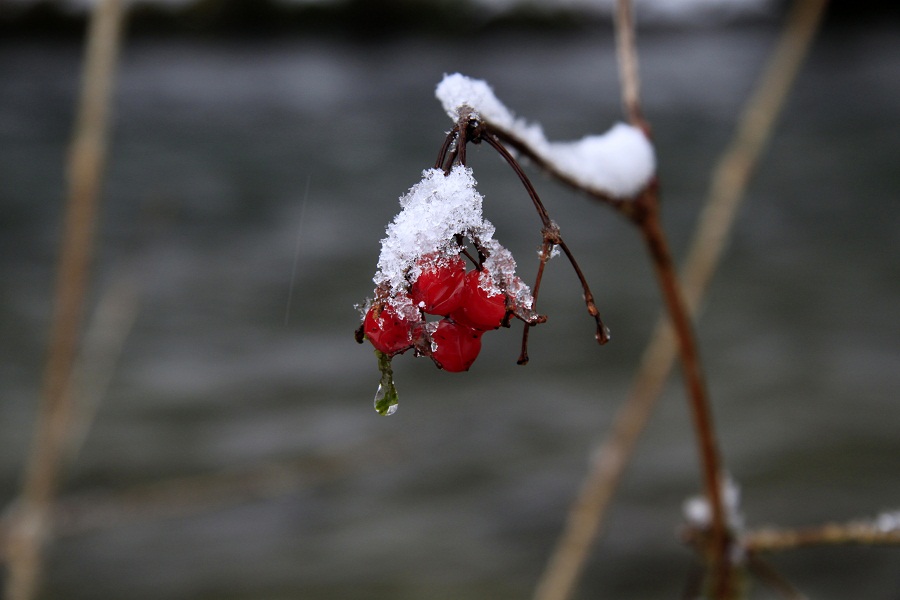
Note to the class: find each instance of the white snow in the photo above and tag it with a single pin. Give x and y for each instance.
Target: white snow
(434, 212)
(698, 512)
(619, 163)
(457, 90)
(888, 522)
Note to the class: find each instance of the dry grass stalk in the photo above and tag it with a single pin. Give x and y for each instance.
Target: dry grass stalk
(30, 525)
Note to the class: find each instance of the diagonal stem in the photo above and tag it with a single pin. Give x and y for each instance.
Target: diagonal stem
(552, 235)
(717, 550)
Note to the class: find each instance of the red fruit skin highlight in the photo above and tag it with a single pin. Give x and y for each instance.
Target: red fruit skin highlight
(389, 332)
(479, 310)
(457, 346)
(439, 288)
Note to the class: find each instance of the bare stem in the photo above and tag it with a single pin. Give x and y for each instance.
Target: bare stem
(626, 53)
(729, 181)
(542, 263)
(445, 149)
(862, 532)
(698, 399)
(31, 524)
(514, 165)
(552, 235)
(772, 579)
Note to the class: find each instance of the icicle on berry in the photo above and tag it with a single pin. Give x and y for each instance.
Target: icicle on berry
(457, 346)
(480, 309)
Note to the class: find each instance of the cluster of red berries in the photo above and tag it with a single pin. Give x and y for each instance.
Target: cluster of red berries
(443, 288)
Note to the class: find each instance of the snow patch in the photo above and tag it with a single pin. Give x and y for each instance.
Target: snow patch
(619, 163)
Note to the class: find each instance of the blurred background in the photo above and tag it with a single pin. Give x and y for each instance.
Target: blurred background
(258, 151)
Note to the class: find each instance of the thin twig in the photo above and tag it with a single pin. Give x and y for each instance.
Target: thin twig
(647, 218)
(729, 181)
(514, 165)
(544, 256)
(445, 149)
(113, 319)
(862, 532)
(510, 139)
(30, 524)
(697, 395)
(773, 579)
(627, 56)
(552, 235)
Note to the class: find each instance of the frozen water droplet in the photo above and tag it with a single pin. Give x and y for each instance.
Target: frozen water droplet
(386, 395)
(602, 333)
(386, 400)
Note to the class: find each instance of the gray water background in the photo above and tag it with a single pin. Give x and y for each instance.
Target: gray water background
(248, 186)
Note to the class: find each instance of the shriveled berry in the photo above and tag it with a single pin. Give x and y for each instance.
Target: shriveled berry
(457, 346)
(438, 288)
(389, 332)
(480, 310)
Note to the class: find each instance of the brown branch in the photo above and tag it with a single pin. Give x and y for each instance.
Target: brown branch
(729, 181)
(621, 205)
(861, 532)
(514, 165)
(30, 524)
(772, 578)
(698, 398)
(552, 235)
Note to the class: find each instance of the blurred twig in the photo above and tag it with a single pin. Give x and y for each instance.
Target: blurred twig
(627, 57)
(883, 530)
(113, 319)
(729, 182)
(30, 522)
(772, 579)
(192, 495)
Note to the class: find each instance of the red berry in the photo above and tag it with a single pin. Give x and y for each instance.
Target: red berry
(438, 289)
(389, 332)
(479, 309)
(457, 346)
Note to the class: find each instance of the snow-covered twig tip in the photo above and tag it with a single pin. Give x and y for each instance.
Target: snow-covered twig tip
(619, 163)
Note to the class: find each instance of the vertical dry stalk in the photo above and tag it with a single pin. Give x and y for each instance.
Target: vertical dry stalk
(729, 182)
(627, 57)
(87, 153)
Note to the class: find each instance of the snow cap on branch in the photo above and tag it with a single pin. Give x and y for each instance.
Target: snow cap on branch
(619, 163)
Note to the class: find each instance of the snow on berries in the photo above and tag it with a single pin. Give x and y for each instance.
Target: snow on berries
(442, 279)
(432, 294)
